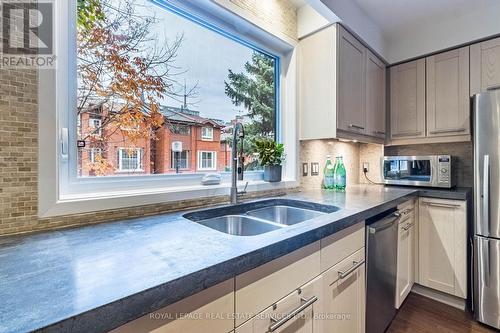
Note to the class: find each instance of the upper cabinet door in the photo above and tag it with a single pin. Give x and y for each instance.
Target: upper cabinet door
(408, 100)
(485, 66)
(317, 85)
(375, 96)
(448, 111)
(351, 69)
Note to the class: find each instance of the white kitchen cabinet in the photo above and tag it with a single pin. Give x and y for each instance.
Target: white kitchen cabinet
(208, 311)
(294, 313)
(343, 303)
(351, 113)
(375, 107)
(448, 101)
(442, 245)
(484, 66)
(407, 93)
(341, 88)
(318, 85)
(260, 287)
(406, 255)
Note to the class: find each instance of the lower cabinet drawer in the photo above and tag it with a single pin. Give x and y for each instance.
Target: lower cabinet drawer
(293, 314)
(262, 286)
(342, 244)
(208, 311)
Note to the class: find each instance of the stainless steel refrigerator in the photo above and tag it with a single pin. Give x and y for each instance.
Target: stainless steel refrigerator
(486, 293)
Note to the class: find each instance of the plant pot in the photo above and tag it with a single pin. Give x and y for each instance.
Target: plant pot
(272, 173)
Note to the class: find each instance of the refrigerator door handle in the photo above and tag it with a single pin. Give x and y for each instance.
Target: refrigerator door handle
(486, 194)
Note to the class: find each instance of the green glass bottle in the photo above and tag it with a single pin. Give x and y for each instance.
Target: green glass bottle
(329, 174)
(340, 175)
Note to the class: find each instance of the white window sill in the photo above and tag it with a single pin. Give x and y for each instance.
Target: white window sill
(91, 202)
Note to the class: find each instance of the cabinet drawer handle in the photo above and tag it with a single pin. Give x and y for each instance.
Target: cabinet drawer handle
(278, 323)
(356, 126)
(407, 211)
(379, 132)
(407, 134)
(355, 264)
(442, 205)
(495, 87)
(407, 227)
(448, 131)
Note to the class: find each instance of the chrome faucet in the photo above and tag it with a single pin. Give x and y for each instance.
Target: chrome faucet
(237, 162)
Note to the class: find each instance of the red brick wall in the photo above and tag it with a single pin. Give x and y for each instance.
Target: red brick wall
(116, 139)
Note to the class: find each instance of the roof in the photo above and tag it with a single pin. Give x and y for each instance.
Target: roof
(179, 115)
(188, 116)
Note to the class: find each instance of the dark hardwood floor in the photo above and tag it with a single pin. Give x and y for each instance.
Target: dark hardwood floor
(420, 314)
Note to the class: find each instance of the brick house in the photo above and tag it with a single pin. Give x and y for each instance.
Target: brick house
(204, 145)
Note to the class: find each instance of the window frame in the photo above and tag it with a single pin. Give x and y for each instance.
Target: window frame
(140, 156)
(172, 158)
(200, 160)
(209, 137)
(56, 87)
(97, 129)
(93, 153)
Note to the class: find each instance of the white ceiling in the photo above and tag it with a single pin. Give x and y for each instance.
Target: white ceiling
(392, 15)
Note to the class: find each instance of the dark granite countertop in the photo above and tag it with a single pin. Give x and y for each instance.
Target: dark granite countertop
(96, 278)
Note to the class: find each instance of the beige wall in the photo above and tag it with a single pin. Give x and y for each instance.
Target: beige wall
(354, 155)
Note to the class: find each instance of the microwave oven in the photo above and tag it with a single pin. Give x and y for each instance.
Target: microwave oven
(428, 171)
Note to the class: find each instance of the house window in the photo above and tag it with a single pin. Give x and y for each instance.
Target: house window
(95, 125)
(183, 160)
(207, 133)
(207, 160)
(93, 153)
(180, 129)
(129, 159)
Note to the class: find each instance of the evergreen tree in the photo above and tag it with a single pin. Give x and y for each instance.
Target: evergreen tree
(255, 90)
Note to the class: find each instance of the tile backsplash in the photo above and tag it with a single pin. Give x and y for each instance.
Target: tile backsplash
(462, 152)
(354, 154)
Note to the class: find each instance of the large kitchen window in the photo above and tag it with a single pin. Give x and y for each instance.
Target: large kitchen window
(148, 75)
(151, 74)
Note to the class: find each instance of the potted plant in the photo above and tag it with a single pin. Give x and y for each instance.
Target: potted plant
(271, 155)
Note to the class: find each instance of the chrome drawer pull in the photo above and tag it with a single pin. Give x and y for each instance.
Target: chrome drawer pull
(355, 264)
(408, 211)
(407, 227)
(442, 205)
(379, 132)
(278, 323)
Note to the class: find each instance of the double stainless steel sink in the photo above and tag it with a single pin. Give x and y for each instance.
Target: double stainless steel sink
(259, 217)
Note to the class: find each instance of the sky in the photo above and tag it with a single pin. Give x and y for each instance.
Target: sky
(206, 56)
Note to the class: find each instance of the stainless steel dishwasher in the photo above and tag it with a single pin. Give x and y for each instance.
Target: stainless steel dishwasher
(381, 265)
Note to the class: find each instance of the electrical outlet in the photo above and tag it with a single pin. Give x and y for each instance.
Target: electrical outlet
(305, 169)
(314, 169)
(366, 167)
